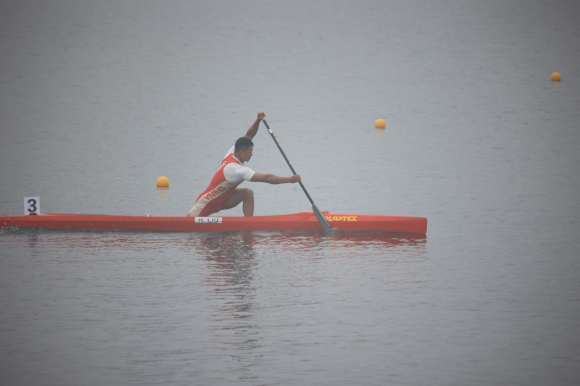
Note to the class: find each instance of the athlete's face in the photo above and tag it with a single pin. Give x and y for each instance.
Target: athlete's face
(247, 153)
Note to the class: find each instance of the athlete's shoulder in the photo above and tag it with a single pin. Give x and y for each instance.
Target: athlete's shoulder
(231, 151)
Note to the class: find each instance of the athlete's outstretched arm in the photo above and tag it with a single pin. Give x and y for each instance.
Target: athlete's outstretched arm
(274, 179)
(253, 130)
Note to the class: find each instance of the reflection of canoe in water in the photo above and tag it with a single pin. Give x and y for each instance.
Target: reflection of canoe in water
(304, 221)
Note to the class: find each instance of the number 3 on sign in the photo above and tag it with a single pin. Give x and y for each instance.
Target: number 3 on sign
(31, 205)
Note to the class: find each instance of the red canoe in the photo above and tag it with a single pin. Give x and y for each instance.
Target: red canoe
(300, 222)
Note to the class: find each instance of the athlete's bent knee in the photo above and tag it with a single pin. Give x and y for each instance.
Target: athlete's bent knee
(246, 193)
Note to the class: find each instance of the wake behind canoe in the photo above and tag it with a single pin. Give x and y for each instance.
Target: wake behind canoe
(304, 221)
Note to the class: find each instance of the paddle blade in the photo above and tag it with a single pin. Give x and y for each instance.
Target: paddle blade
(321, 219)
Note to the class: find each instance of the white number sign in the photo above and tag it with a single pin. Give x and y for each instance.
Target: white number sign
(31, 205)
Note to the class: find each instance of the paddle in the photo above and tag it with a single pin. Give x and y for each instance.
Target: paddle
(321, 219)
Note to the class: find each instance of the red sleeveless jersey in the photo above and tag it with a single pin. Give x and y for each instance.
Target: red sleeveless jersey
(216, 196)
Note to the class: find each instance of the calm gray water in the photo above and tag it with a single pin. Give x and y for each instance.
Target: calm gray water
(100, 98)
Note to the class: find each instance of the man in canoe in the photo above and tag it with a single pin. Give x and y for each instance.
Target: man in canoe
(223, 192)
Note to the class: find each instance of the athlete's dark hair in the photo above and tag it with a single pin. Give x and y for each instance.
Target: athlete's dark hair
(243, 143)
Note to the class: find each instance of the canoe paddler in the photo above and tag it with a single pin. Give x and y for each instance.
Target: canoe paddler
(223, 192)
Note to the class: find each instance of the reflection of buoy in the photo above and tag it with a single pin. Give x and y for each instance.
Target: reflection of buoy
(556, 77)
(162, 182)
(380, 124)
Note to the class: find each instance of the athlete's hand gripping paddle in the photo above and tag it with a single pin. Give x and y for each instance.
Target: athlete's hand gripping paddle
(321, 219)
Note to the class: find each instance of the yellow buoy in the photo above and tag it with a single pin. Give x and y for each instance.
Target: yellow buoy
(556, 77)
(162, 182)
(380, 124)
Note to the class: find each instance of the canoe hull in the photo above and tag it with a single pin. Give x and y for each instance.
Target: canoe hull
(304, 221)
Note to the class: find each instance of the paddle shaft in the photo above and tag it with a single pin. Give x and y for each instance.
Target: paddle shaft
(287, 160)
(325, 225)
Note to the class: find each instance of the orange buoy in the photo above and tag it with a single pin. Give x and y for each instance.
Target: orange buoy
(556, 77)
(380, 124)
(163, 182)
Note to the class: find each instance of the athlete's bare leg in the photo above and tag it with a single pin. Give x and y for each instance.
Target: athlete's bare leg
(244, 195)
